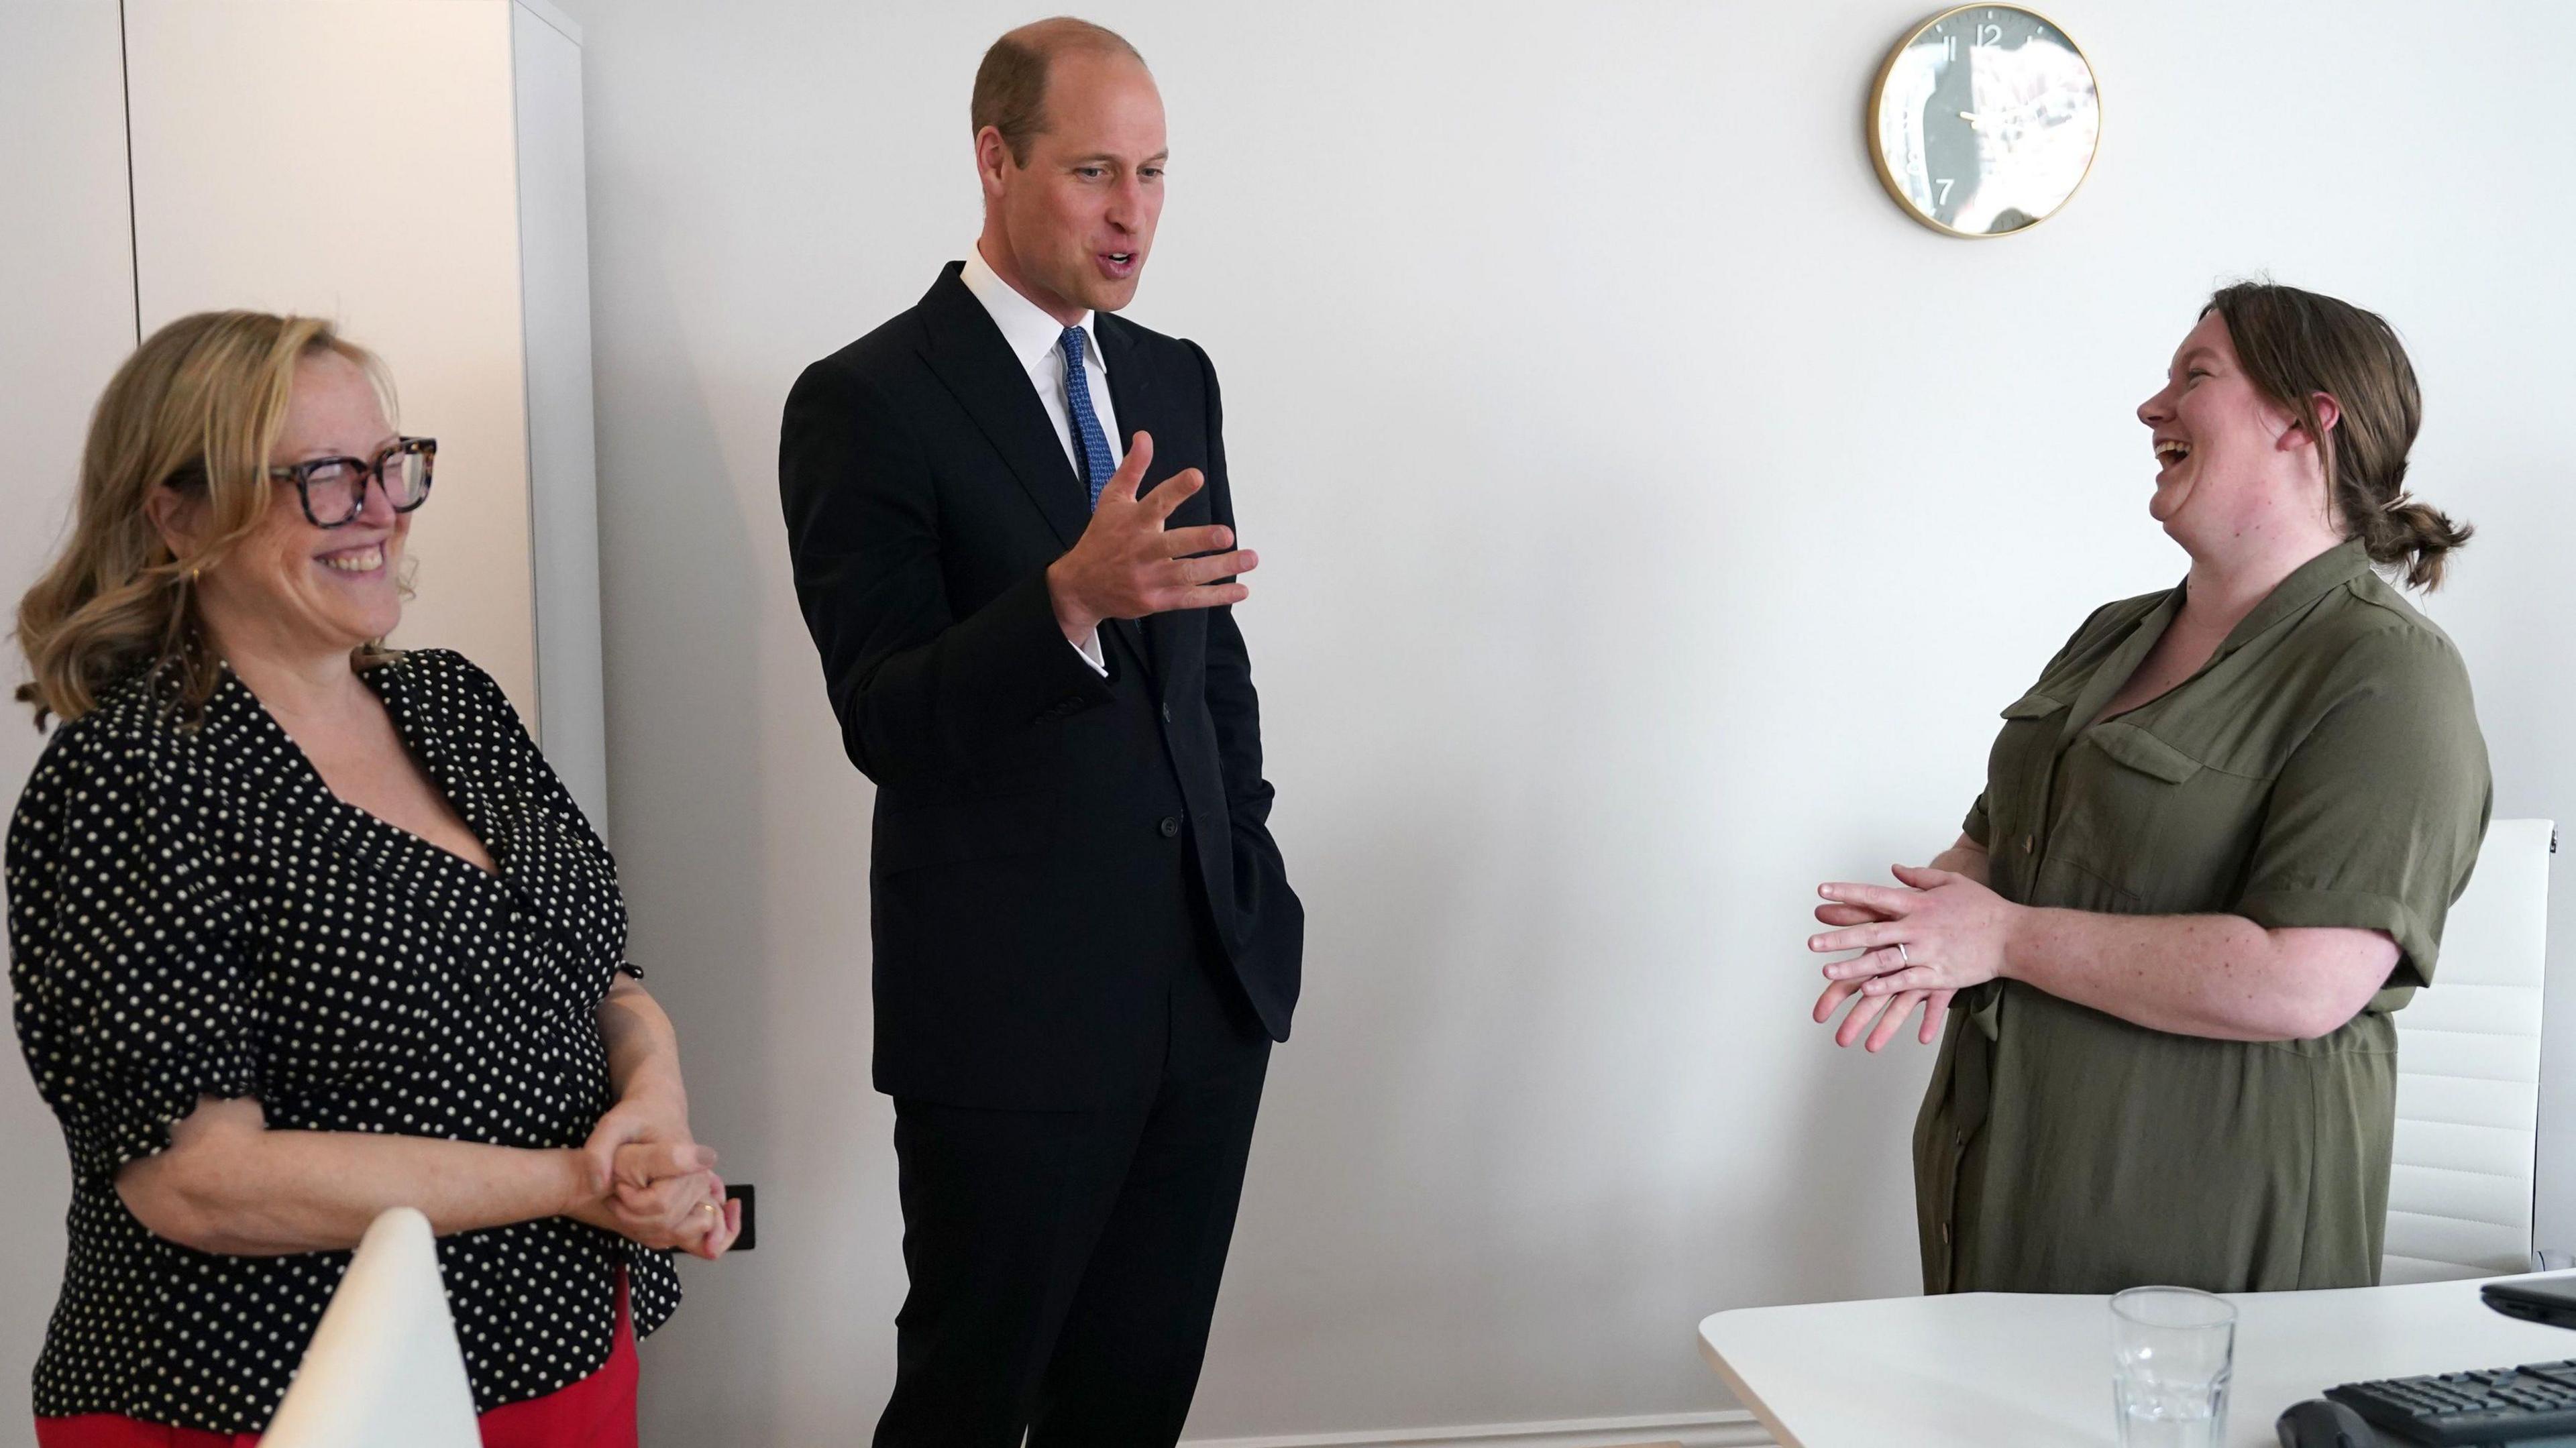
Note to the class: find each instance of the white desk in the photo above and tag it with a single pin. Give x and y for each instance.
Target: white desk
(2003, 1370)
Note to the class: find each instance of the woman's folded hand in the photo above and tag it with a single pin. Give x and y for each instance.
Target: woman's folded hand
(666, 1195)
(1935, 934)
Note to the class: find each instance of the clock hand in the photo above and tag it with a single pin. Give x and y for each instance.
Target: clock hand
(1998, 118)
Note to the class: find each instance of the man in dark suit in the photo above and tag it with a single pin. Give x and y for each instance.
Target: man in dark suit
(1084, 938)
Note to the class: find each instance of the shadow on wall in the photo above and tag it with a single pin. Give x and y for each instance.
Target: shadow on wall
(682, 584)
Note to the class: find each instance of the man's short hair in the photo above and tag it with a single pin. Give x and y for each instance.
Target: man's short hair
(1010, 86)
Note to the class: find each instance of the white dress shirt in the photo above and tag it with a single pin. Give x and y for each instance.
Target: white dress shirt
(1038, 341)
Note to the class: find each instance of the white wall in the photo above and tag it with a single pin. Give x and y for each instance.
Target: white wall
(1653, 522)
(67, 278)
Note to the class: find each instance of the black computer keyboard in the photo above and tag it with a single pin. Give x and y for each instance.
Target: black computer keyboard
(2526, 1405)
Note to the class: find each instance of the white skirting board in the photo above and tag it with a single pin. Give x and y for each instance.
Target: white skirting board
(1732, 1429)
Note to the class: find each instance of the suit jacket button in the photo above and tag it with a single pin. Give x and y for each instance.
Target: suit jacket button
(1170, 826)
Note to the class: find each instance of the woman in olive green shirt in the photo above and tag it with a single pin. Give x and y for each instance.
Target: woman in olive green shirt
(2218, 839)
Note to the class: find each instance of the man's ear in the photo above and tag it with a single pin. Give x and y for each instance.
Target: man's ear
(180, 519)
(992, 157)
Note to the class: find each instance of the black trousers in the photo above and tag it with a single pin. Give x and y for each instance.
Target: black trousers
(1064, 1264)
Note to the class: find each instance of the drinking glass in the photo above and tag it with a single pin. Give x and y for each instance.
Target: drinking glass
(2172, 1352)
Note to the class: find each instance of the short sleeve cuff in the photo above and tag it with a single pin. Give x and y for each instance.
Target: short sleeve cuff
(1978, 826)
(124, 1126)
(2350, 910)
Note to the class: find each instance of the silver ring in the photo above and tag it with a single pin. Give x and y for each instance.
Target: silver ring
(1902, 959)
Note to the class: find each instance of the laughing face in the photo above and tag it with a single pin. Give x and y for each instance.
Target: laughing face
(1078, 220)
(2229, 460)
(291, 586)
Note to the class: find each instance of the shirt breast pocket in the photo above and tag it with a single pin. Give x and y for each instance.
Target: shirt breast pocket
(2156, 822)
(2031, 726)
(2017, 769)
(2136, 749)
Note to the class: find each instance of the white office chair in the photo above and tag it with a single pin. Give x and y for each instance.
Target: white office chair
(2468, 1076)
(384, 1370)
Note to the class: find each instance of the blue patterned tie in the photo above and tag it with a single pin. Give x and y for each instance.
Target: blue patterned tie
(1097, 465)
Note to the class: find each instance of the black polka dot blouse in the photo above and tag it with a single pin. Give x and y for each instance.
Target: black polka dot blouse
(192, 913)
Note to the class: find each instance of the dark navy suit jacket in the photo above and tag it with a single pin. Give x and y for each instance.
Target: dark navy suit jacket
(1046, 840)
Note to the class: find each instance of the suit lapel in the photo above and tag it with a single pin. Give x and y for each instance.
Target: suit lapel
(967, 352)
(1132, 393)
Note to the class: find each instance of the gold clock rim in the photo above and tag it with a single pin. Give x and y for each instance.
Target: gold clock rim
(1878, 95)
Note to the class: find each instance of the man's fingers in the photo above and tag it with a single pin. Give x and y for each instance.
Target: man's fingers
(1214, 596)
(1131, 470)
(1845, 915)
(1171, 492)
(1205, 538)
(1195, 571)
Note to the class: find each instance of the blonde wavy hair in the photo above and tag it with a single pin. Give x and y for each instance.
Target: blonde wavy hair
(199, 405)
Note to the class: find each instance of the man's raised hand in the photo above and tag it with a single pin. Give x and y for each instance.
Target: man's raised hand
(1127, 564)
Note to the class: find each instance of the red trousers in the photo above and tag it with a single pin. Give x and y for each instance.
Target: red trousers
(597, 1412)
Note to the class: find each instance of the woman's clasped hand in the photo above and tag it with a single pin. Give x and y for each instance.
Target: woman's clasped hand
(1936, 932)
(646, 1180)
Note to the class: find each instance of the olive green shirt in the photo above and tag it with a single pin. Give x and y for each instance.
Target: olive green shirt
(2324, 768)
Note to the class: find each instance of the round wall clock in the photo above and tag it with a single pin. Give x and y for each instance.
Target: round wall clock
(1984, 120)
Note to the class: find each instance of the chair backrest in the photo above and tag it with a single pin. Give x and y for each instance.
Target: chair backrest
(2468, 1075)
(384, 1370)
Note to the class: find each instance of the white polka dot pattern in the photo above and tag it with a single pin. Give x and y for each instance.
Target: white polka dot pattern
(192, 912)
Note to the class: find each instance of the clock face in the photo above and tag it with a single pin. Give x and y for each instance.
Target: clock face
(1984, 120)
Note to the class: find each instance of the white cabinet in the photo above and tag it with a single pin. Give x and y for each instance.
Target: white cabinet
(66, 320)
(411, 169)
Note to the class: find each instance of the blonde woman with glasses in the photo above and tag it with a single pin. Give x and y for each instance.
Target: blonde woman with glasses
(303, 928)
